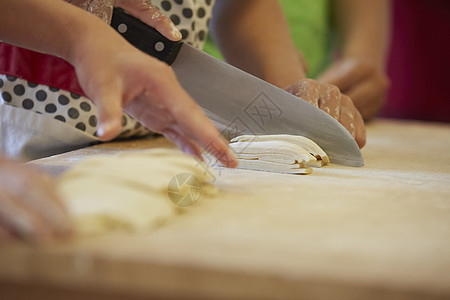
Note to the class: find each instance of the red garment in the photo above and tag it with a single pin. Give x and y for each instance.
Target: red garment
(38, 68)
(419, 64)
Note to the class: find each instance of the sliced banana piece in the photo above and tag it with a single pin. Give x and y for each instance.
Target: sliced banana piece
(267, 166)
(278, 153)
(273, 151)
(307, 144)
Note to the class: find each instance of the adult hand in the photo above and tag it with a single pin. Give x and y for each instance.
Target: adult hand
(141, 9)
(29, 206)
(362, 80)
(329, 99)
(117, 76)
(113, 73)
(147, 13)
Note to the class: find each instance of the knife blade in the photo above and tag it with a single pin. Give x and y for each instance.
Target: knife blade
(237, 102)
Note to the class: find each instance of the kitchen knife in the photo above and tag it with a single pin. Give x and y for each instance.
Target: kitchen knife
(237, 102)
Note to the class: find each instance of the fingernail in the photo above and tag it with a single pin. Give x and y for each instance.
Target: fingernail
(175, 32)
(105, 128)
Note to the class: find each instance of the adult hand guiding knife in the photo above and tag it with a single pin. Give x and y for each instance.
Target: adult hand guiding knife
(237, 102)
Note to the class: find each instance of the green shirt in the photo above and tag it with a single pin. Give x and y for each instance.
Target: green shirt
(309, 22)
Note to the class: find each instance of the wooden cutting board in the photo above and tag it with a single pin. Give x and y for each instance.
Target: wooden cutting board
(381, 231)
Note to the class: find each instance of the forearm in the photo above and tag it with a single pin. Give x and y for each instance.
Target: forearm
(364, 28)
(254, 36)
(49, 26)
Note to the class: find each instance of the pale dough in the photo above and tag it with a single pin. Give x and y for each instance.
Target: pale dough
(278, 153)
(127, 191)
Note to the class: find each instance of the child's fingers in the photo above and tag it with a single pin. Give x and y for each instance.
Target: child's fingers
(22, 221)
(45, 202)
(330, 100)
(306, 89)
(352, 120)
(38, 202)
(147, 13)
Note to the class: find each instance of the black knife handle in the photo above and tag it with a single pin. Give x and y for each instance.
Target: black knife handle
(144, 37)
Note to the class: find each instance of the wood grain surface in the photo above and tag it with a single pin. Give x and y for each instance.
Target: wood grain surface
(377, 232)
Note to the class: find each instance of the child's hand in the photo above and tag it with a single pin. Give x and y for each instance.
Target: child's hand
(29, 207)
(360, 79)
(329, 99)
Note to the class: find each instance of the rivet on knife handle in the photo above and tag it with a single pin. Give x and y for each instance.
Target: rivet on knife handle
(144, 37)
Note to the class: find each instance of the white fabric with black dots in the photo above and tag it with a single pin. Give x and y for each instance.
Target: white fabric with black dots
(70, 108)
(191, 17)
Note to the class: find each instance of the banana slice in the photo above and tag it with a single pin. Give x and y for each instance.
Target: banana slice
(278, 153)
(258, 165)
(273, 151)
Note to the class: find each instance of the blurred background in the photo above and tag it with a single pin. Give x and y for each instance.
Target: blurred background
(416, 59)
